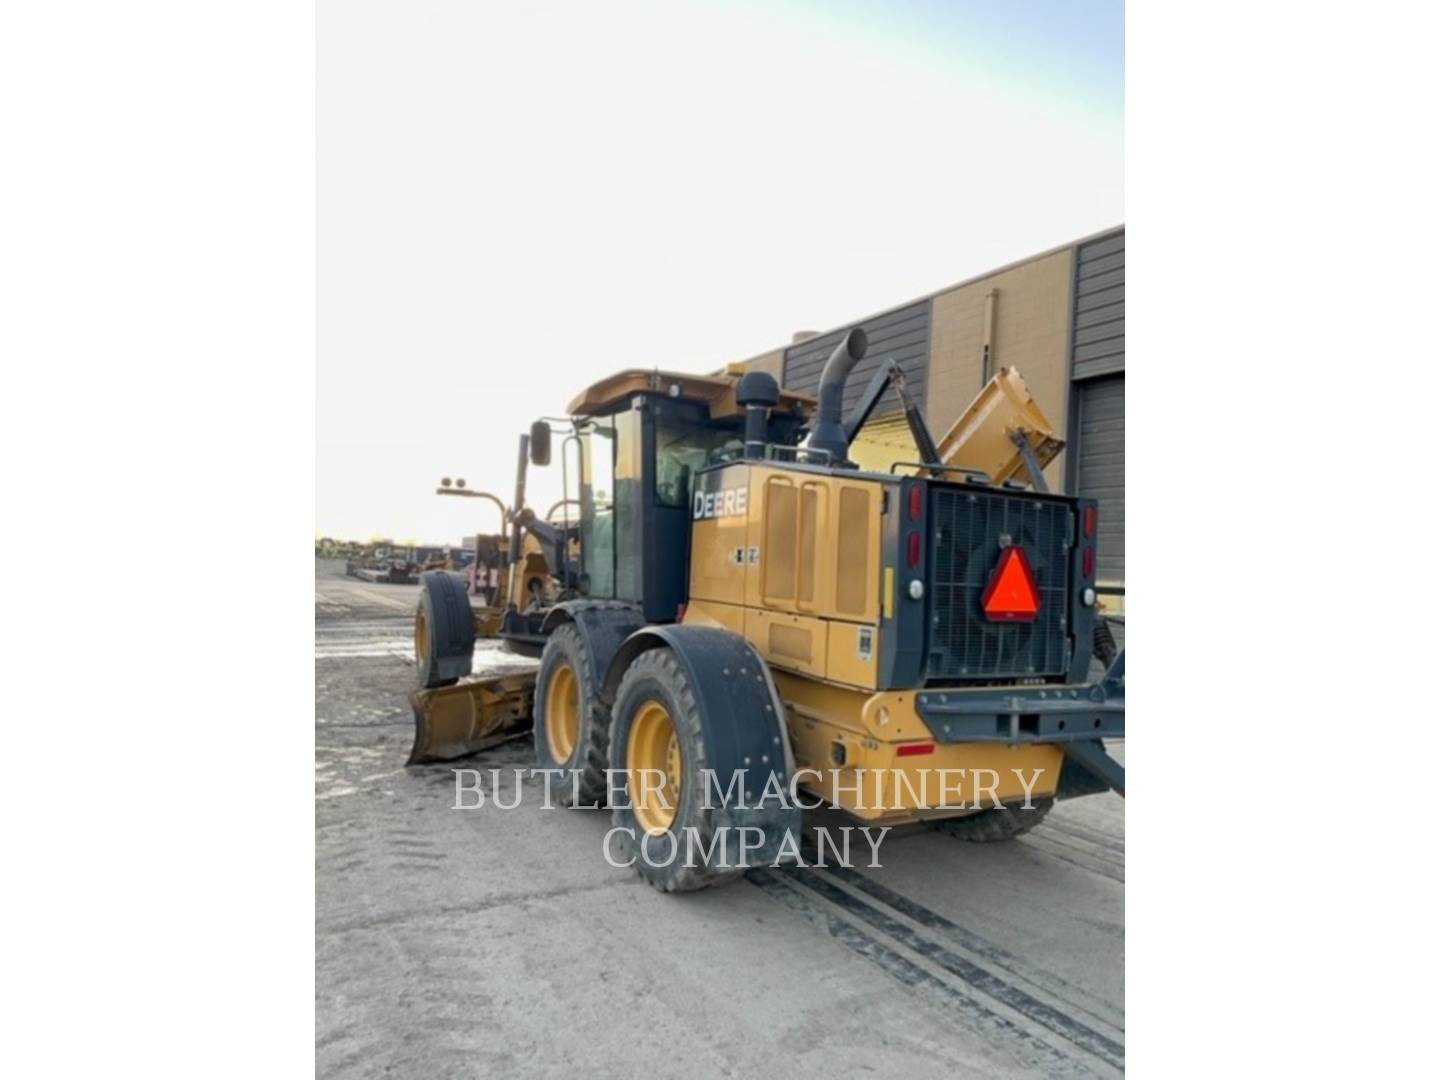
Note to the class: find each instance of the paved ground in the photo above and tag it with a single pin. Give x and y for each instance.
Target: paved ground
(500, 943)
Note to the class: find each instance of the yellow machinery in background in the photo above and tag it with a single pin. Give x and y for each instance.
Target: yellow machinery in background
(748, 592)
(985, 438)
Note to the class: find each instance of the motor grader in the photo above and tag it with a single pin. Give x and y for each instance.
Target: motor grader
(734, 597)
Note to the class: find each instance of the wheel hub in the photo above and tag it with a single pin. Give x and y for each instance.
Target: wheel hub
(562, 713)
(655, 768)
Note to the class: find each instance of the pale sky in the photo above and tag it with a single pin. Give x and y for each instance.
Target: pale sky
(515, 200)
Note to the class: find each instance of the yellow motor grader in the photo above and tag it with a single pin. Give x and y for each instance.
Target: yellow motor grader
(738, 612)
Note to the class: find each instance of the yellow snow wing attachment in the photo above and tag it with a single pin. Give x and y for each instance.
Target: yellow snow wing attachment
(472, 715)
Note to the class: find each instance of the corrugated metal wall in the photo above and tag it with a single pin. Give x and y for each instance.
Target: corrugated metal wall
(903, 334)
(1100, 433)
(1097, 366)
(1098, 338)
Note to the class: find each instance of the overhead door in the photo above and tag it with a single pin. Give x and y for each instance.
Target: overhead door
(1097, 364)
(1101, 473)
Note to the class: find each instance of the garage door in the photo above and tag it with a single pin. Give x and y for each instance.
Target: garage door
(1102, 468)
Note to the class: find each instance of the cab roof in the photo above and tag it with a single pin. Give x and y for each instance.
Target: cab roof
(715, 391)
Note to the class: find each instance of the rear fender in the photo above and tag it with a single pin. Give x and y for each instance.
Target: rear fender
(741, 717)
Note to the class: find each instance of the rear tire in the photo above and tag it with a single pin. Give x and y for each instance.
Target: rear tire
(572, 727)
(997, 824)
(656, 725)
(1105, 649)
(444, 631)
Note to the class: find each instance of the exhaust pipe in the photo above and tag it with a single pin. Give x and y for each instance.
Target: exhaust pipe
(829, 431)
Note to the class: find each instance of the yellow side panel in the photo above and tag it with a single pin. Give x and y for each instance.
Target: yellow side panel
(810, 524)
(709, 613)
(814, 545)
(806, 569)
(790, 642)
(851, 653)
(817, 547)
(793, 643)
(719, 538)
(856, 563)
(780, 499)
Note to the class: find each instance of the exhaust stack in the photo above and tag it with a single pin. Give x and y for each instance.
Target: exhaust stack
(829, 431)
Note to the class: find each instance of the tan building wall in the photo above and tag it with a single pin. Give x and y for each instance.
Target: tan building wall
(772, 362)
(1025, 310)
(1028, 330)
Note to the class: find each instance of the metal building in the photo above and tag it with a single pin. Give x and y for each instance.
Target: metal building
(1058, 316)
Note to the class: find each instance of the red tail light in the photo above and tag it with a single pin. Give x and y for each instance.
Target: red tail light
(1089, 522)
(912, 550)
(1087, 562)
(916, 495)
(1011, 595)
(914, 749)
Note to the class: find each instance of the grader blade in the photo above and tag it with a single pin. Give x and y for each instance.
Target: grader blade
(474, 715)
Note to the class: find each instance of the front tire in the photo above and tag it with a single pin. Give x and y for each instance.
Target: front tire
(572, 728)
(657, 741)
(444, 631)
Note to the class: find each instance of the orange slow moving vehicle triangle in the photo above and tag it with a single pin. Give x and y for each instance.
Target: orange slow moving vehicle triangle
(1011, 595)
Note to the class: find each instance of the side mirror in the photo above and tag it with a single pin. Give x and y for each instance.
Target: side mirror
(540, 443)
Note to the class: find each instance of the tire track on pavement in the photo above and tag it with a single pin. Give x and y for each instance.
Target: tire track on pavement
(885, 941)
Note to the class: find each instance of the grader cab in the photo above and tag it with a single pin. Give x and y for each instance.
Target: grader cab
(735, 611)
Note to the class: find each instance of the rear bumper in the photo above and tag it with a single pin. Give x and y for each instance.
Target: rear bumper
(1074, 717)
(1020, 714)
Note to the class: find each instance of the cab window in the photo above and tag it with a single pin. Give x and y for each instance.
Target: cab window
(681, 450)
(597, 507)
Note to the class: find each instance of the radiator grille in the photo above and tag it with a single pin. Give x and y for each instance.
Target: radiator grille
(965, 540)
